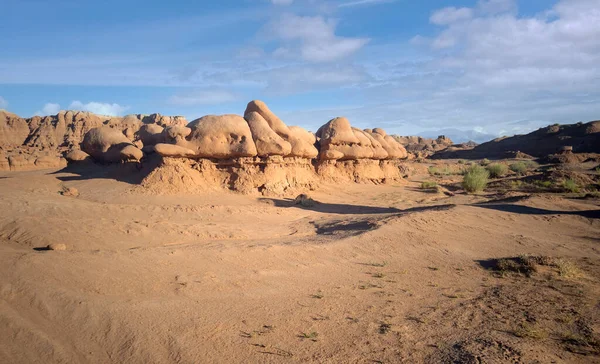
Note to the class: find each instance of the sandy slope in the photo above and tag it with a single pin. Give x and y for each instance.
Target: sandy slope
(371, 274)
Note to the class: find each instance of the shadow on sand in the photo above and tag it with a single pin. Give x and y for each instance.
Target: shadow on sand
(346, 209)
(131, 172)
(526, 210)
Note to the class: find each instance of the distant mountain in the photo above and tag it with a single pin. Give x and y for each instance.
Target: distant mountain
(584, 138)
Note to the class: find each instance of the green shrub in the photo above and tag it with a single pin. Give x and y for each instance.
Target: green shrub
(497, 170)
(460, 161)
(571, 186)
(437, 171)
(475, 179)
(519, 167)
(428, 185)
(543, 184)
(484, 162)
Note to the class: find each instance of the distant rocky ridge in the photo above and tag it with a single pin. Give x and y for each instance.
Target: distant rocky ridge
(423, 147)
(550, 140)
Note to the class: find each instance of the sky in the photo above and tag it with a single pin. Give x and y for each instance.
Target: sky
(474, 69)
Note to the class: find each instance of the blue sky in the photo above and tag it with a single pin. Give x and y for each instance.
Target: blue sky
(471, 69)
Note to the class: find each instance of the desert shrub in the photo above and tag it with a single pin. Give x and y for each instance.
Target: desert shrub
(497, 170)
(475, 179)
(461, 161)
(543, 184)
(428, 185)
(438, 171)
(571, 186)
(519, 167)
(484, 162)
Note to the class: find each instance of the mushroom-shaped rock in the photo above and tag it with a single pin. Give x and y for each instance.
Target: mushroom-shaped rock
(105, 144)
(267, 141)
(171, 150)
(338, 135)
(221, 137)
(274, 122)
(337, 131)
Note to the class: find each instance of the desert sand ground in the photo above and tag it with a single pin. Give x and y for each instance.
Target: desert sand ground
(370, 274)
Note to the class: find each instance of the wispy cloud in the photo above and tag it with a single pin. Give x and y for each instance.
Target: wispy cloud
(204, 97)
(99, 108)
(313, 38)
(3, 103)
(364, 3)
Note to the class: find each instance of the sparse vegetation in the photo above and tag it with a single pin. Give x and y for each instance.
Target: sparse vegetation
(497, 170)
(428, 185)
(571, 185)
(519, 168)
(440, 171)
(475, 179)
(378, 275)
(485, 162)
(461, 161)
(309, 335)
(567, 268)
(527, 330)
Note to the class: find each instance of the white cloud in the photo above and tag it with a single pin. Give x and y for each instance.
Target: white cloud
(205, 97)
(450, 15)
(99, 108)
(3, 103)
(314, 37)
(363, 3)
(49, 109)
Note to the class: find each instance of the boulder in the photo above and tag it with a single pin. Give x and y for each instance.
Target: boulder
(221, 137)
(105, 144)
(77, 155)
(151, 134)
(171, 150)
(303, 143)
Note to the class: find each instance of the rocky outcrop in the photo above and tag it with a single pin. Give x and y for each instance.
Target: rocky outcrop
(13, 130)
(423, 147)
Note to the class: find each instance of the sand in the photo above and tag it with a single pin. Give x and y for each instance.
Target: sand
(368, 274)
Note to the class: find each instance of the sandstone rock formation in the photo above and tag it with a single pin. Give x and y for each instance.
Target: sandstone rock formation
(299, 139)
(106, 144)
(13, 130)
(221, 137)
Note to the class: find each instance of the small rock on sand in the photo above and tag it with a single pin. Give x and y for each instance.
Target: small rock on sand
(56, 246)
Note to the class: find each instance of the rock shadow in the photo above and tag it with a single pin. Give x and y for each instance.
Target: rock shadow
(527, 210)
(128, 172)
